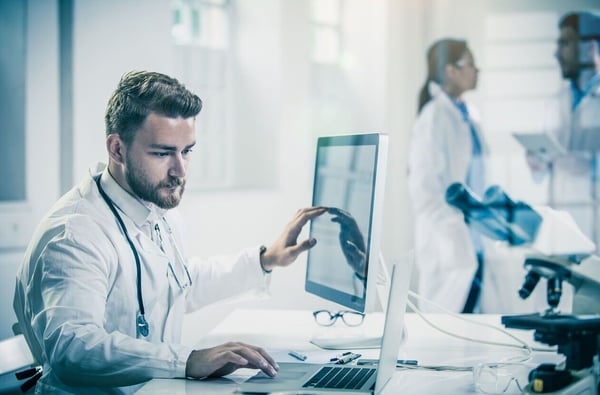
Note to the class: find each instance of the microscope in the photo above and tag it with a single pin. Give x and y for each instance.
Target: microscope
(558, 252)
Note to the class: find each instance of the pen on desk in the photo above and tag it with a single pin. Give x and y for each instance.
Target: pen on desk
(340, 356)
(348, 358)
(297, 355)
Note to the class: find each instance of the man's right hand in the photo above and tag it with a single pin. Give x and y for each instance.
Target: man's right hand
(286, 248)
(225, 359)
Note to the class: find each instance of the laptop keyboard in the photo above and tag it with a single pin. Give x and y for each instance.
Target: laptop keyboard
(340, 377)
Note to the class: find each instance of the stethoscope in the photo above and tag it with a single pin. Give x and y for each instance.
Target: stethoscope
(141, 323)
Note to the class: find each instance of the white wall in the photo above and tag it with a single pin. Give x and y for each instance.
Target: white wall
(111, 38)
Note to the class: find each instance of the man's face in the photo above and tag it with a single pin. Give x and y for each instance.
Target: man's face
(157, 159)
(567, 52)
(462, 75)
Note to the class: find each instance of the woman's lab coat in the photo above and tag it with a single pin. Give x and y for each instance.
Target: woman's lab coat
(440, 154)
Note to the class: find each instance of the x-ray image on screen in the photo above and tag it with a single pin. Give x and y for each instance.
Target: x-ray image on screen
(345, 175)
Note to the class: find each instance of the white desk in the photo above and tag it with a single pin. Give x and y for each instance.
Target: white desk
(281, 330)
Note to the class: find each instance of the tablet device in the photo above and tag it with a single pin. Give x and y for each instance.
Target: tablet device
(541, 144)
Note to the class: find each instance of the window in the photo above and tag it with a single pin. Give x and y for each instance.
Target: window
(201, 32)
(329, 84)
(201, 23)
(326, 30)
(12, 101)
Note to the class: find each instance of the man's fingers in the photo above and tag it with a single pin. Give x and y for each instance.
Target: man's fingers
(230, 356)
(301, 247)
(306, 214)
(268, 357)
(286, 248)
(259, 359)
(226, 358)
(302, 217)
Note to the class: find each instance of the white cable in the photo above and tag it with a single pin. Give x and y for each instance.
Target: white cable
(522, 344)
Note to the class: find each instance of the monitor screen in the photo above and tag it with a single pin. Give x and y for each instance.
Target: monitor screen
(349, 179)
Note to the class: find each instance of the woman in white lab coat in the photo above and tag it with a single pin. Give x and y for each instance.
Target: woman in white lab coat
(447, 146)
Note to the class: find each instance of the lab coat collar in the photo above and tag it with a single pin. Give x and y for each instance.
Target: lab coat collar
(451, 103)
(594, 84)
(436, 90)
(138, 211)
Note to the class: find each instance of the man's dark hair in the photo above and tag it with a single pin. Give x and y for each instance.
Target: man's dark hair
(570, 20)
(140, 93)
(585, 24)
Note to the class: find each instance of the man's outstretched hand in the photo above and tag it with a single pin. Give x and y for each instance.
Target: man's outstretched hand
(286, 248)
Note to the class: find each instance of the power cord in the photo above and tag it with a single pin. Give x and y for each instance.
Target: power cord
(522, 344)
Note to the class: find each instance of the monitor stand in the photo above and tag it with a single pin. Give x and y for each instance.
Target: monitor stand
(342, 337)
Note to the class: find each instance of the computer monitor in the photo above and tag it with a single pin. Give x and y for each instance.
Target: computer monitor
(349, 178)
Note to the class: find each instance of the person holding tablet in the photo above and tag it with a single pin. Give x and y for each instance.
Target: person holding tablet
(573, 120)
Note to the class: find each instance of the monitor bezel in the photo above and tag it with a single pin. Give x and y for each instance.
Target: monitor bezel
(368, 302)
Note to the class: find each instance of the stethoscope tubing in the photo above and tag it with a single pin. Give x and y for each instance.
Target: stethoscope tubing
(141, 322)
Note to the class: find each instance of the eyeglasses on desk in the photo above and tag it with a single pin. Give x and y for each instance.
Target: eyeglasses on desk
(327, 318)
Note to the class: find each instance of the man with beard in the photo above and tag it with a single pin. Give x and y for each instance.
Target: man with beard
(103, 287)
(573, 119)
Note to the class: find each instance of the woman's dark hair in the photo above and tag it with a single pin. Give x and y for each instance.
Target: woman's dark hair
(441, 53)
(140, 93)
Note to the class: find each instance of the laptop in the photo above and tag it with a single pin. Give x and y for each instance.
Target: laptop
(307, 378)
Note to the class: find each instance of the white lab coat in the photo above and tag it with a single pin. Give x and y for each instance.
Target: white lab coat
(572, 173)
(440, 154)
(75, 295)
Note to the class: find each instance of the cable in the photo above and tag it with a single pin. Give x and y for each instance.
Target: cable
(436, 368)
(522, 344)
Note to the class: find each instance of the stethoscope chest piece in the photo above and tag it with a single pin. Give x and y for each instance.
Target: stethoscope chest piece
(142, 325)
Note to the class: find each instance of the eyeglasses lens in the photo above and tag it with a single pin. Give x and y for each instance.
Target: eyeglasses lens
(324, 317)
(352, 318)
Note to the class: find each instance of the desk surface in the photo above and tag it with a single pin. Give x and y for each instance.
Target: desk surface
(279, 331)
